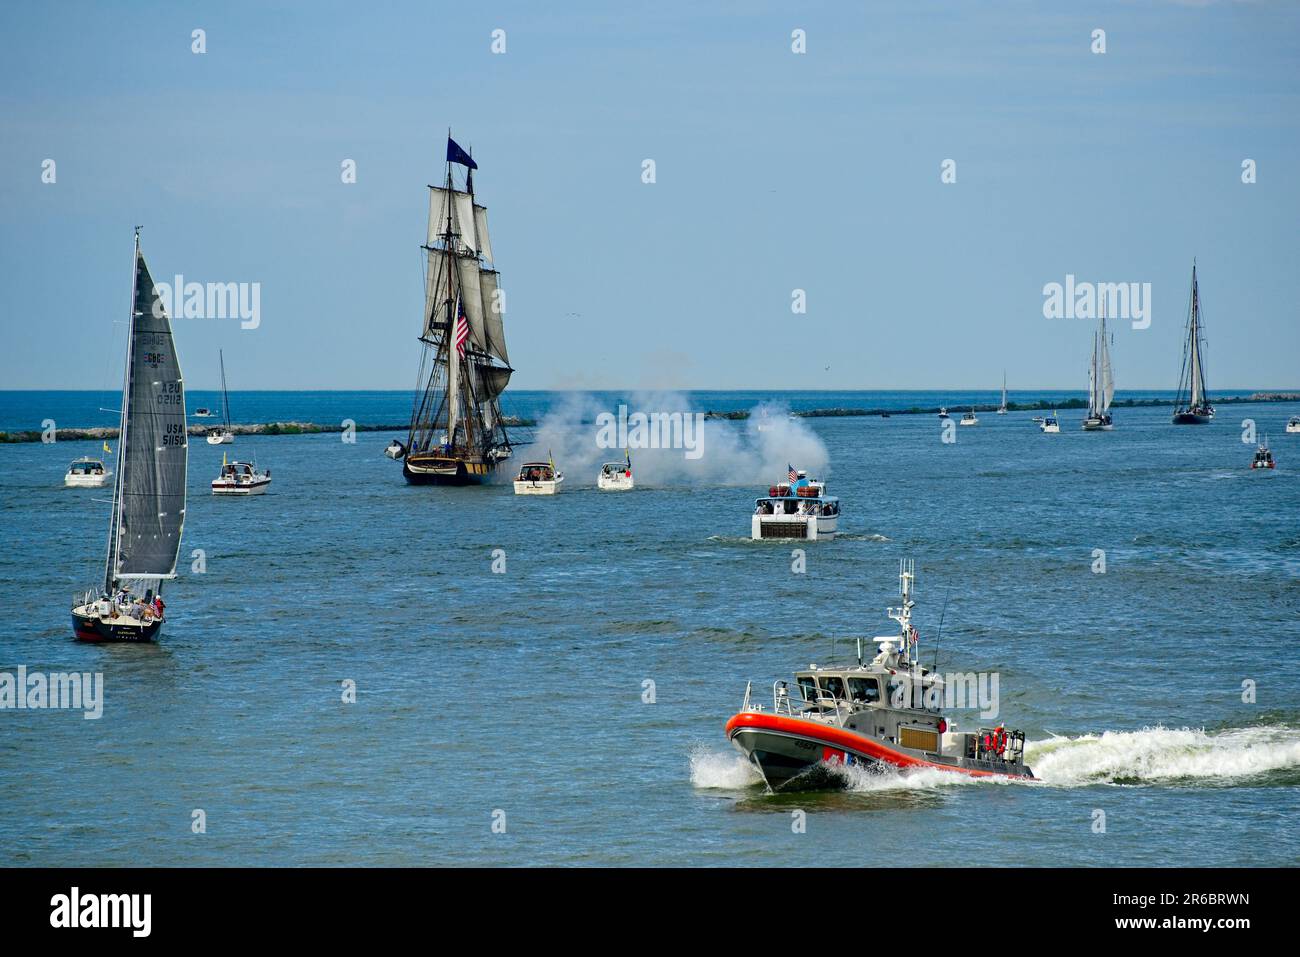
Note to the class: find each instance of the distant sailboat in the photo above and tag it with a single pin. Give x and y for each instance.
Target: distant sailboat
(1192, 407)
(456, 436)
(1002, 409)
(221, 434)
(144, 530)
(1101, 383)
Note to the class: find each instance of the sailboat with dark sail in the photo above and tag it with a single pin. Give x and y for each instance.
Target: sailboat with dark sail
(456, 435)
(1101, 383)
(1192, 407)
(144, 530)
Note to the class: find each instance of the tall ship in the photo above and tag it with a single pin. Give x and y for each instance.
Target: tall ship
(1192, 407)
(456, 436)
(1101, 383)
(144, 529)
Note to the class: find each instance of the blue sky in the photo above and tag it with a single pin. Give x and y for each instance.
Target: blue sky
(775, 171)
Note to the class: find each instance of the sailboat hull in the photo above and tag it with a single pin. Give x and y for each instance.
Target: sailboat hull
(440, 470)
(1191, 418)
(93, 629)
(1097, 424)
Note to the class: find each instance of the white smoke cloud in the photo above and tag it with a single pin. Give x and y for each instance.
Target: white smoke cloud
(733, 452)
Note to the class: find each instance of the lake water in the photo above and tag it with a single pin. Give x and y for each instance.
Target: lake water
(521, 691)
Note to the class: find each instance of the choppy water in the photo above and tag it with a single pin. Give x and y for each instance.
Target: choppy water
(522, 692)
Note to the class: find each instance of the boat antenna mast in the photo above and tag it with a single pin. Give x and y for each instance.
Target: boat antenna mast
(903, 613)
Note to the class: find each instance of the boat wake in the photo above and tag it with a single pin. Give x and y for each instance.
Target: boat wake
(1152, 756)
(1162, 755)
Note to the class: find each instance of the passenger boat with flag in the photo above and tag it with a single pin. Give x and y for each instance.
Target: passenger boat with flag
(882, 714)
(616, 476)
(1193, 407)
(86, 473)
(1050, 423)
(798, 508)
(148, 513)
(456, 435)
(538, 478)
(240, 478)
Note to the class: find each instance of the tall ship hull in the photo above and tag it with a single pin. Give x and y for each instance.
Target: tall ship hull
(456, 435)
(1192, 418)
(426, 469)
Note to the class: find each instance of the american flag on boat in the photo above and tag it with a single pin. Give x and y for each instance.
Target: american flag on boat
(462, 328)
(793, 474)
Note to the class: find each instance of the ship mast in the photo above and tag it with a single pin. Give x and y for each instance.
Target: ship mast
(115, 520)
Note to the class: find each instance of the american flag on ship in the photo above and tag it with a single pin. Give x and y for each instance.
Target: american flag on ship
(462, 328)
(793, 474)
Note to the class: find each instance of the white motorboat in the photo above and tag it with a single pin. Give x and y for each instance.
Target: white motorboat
(798, 509)
(538, 478)
(86, 473)
(1050, 423)
(220, 436)
(1293, 424)
(943, 412)
(395, 450)
(968, 418)
(240, 478)
(616, 476)
(203, 412)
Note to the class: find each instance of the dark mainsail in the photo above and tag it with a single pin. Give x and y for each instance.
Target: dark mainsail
(149, 497)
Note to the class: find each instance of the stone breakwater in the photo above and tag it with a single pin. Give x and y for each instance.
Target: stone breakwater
(265, 428)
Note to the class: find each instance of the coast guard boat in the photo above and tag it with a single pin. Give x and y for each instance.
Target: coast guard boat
(1263, 457)
(881, 713)
(799, 508)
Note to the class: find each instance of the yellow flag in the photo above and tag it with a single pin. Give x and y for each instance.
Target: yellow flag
(107, 450)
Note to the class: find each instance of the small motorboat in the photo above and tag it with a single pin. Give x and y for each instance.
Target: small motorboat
(240, 478)
(86, 473)
(1293, 424)
(943, 412)
(1050, 423)
(968, 418)
(1263, 457)
(220, 436)
(203, 413)
(616, 476)
(880, 714)
(538, 478)
(395, 450)
(884, 415)
(797, 509)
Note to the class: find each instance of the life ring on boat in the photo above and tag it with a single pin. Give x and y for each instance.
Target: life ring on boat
(1000, 741)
